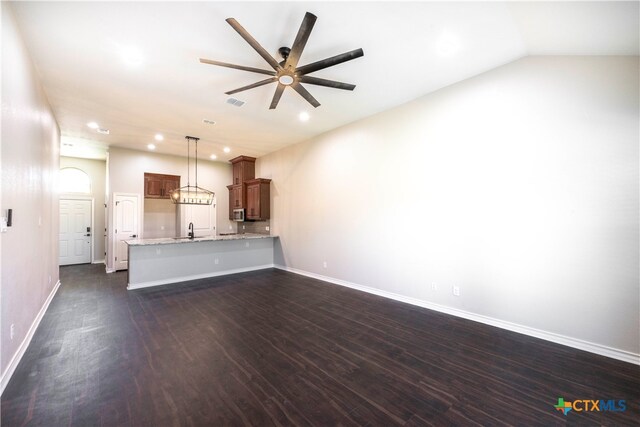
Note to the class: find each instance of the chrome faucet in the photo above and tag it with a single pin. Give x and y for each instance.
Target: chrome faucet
(191, 233)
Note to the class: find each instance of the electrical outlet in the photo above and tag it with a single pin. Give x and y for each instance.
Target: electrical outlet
(266, 228)
(456, 291)
(434, 286)
(158, 251)
(243, 227)
(216, 261)
(246, 244)
(231, 227)
(13, 330)
(324, 264)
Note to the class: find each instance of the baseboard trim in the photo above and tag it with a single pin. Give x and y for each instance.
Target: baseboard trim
(100, 261)
(149, 284)
(602, 350)
(109, 270)
(15, 360)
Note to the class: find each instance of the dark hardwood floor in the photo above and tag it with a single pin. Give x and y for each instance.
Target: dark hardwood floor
(274, 348)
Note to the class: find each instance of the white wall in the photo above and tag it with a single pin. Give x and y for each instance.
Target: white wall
(160, 217)
(520, 186)
(126, 170)
(30, 147)
(96, 169)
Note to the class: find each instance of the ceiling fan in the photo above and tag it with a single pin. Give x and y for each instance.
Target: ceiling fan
(287, 73)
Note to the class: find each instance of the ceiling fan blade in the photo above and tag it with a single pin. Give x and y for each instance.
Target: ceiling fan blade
(276, 96)
(328, 83)
(329, 62)
(251, 86)
(254, 44)
(301, 40)
(237, 67)
(305, 94)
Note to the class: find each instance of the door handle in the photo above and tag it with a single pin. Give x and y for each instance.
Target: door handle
(134, 235)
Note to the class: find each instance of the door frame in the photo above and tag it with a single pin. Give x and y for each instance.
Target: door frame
(112, 224)
(93, 228)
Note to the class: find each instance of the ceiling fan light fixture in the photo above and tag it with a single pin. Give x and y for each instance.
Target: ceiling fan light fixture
(285, 79)
(287, 73)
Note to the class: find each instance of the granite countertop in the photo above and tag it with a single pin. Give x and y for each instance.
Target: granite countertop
(172, 240)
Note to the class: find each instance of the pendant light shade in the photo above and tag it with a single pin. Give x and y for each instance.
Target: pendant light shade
(192, 194)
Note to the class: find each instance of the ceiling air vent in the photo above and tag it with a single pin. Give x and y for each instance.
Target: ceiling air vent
(208, 122)
(235, 102)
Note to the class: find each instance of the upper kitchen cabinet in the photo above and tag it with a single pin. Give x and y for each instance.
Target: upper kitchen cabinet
(236, 198)
(258, 196)
(244, 169)
(159, 186)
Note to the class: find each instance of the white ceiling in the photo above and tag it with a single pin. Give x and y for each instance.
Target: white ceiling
(411, 49)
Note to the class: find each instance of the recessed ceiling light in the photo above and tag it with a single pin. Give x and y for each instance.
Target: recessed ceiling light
(213, 157)
(226, 149)
(159, 137)
(103, 131)
(151, 147)
(304, 116)
(93, 125)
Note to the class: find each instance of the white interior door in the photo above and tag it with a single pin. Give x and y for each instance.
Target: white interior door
(125, 227)
(75, 232)
(203, 218)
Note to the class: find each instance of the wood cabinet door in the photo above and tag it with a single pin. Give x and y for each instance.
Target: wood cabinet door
(159, 186)
(152, 187)
(237, 174)
(168, 185)
(236, 198)
(244, 169)
(231, 201)
(253, 201)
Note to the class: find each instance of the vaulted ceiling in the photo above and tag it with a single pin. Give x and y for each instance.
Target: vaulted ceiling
(132, 67)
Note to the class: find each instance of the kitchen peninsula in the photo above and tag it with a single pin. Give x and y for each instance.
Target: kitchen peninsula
(154, 262)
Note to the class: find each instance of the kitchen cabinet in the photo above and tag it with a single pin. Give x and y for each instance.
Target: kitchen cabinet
(237, 198)
(244, 169)
(258, 199)
(159, 186)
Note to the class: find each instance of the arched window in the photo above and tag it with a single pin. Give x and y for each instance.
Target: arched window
(74, 180)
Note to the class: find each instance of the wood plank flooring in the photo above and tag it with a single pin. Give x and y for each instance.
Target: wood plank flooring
(273, 348)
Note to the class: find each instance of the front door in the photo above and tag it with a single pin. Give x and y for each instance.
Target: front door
(126, 227)
(75, 232)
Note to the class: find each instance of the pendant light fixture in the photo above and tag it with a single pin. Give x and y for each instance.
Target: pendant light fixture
(190, 194)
